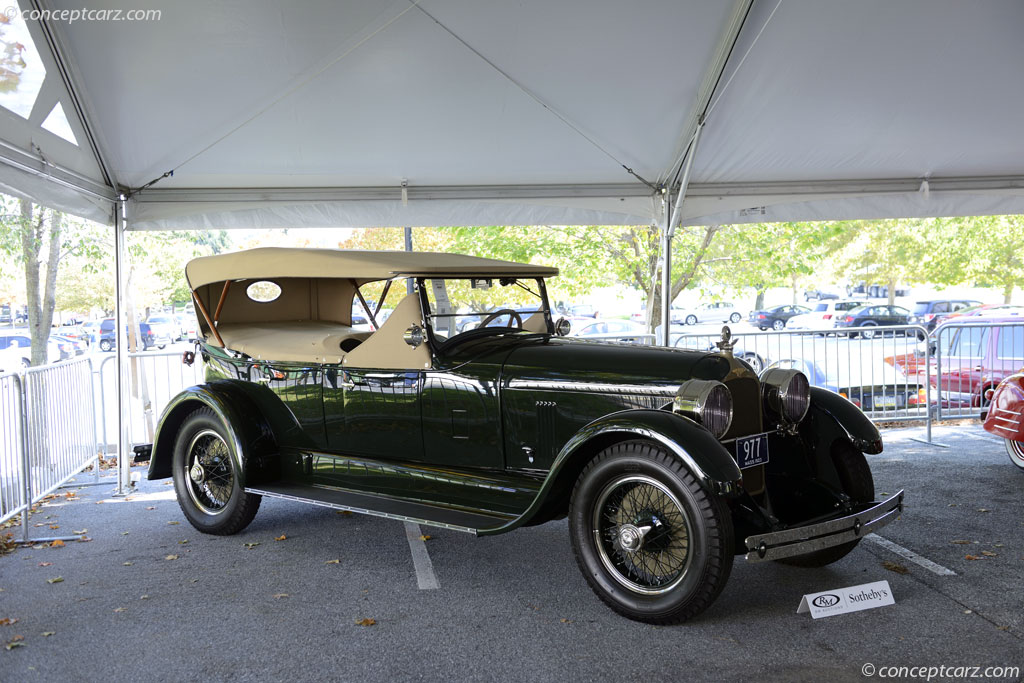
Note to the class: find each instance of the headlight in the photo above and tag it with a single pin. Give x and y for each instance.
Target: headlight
(786, 394)
(707, 402)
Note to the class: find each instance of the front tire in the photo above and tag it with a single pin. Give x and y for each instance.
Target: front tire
(105, 345)
(691, 320)
(735, 318)
(1015, 449)
(206, 477)
(653, 545)
(859, 485)
(866, 332)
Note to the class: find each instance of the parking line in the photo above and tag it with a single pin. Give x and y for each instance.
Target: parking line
(910, 555)
(425, 578)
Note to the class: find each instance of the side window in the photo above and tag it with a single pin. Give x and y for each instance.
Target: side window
(969, 342)
(941, 307)
(1011, 343)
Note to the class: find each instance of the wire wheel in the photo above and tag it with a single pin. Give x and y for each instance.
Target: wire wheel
(1015, 449)
(642, 533)
(210, 477)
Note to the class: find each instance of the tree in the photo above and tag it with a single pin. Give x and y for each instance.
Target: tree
(996, 248)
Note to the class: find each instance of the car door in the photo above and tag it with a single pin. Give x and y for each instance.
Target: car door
(961, 365)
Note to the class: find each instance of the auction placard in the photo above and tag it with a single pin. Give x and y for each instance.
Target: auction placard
(843, 600)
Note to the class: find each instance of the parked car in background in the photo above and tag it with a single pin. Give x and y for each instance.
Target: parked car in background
(12, 359)
(148, 337)
(879, 391)
(864, 318)
(188, 325)
(55, 350)
(69, 348)
(91, 329)
(928, 313)
(822, 316)
(775, 318)
(76, 333)
(714, 312)
(625, 331)
(164, 325)
(820, 294)
(986, 310)
(1005, 416)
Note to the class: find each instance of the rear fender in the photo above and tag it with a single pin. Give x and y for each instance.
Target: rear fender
(694, 445)
(250, 435)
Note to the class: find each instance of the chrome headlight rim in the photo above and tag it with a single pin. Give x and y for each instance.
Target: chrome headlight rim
(785, 395)
(706, 402)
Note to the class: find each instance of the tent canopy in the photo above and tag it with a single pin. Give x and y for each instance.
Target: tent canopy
(456, 112)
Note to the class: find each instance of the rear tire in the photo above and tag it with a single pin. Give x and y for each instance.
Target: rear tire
(653, 545)
(735, 318)
(1015, 449)
(206, 477)
(778, 325)
(866, 332)
(691, 320)
(105, 345)
(859, 485)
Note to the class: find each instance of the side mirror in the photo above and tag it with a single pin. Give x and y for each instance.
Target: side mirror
(413, 336)
(563, 327)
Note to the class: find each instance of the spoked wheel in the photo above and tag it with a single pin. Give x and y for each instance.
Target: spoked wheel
(652, 544)
(1015, 449)
(735, 318)
(206, 477)
(691, 320)
(866, 332)
(779, 325)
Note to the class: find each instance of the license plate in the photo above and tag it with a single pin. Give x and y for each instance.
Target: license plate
(884, 401)
(752, 450)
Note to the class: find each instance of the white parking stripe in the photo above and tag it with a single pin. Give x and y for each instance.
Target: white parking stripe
(910, 555)
(420, 558)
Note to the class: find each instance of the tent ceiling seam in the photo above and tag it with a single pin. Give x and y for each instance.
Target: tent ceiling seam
(536, 98)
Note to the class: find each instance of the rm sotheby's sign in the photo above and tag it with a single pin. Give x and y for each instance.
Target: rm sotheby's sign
(842, 600)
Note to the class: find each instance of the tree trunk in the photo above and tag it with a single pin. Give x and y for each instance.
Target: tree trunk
(30, 245)
(892, 291)
(1008, 292)
(759, 301)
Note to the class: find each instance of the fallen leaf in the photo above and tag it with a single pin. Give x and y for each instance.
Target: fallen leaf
(80, 531)
(126, 564)
(7, 621)
(124, 533)
(343, 512)
(971, 557)
(250, 546)
(151, 507)
(278, 596)
(983, 510)
(1002, 628)
(895, 567)
(15, 642)
(566, 621)
(120, 609)
(280, 538)
(144, 597)
(171, 557)
(173, 523)
(333, 562)
(57, 544)
(58, 579)
(84, 539)
(47, 634)
(425, 537)
(45, 564)
(967, 611)
(366, 622)
(185, 542)
(988, 553)
(961, 542)
(57, 526)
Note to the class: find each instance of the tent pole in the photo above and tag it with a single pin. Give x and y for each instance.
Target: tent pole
(408, 247)
(123, 463)
(671, 221)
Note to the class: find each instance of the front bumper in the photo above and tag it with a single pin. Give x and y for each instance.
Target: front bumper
(805, 539)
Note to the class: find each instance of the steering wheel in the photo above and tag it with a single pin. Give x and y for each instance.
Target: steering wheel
(500, 312)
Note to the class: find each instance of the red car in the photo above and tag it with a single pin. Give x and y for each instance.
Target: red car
(1006, 416)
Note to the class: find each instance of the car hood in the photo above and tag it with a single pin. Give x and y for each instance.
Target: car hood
(577, 361)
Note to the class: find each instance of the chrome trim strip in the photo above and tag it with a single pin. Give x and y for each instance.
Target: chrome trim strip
(593, 387)
(362, 511)
(805, 539)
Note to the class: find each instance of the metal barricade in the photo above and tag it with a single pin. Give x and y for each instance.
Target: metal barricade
(868, 369)
(153, 379)
(971, 359)
(13, 498)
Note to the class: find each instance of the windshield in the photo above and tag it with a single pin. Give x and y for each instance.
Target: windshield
(460, 305)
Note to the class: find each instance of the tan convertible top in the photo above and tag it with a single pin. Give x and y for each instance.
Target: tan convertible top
(362, 266)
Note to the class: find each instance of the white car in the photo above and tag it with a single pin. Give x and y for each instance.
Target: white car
(716, 312)
(823, 315)
(625, 331)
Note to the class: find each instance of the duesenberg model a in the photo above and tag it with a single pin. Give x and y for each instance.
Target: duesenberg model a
(467, 408)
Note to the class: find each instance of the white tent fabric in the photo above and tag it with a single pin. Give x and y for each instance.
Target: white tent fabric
(316, 113)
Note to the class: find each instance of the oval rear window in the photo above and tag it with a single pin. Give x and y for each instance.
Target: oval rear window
(263, 291)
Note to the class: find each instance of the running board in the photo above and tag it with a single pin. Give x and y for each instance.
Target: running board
(383, 506)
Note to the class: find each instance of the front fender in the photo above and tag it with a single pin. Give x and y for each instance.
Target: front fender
(250, 436)
(848, 418)
(1005, 416)
(694, 445)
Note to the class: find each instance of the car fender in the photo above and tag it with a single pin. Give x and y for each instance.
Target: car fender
(709, 461)
(250, 434)
(847, 420)
(1006, 410)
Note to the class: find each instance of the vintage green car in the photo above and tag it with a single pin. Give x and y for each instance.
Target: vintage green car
(469, 409)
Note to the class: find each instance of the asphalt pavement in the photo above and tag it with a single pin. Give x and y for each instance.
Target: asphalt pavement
(148, 598)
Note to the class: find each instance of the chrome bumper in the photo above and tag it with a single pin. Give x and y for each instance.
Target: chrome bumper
(789, 542)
